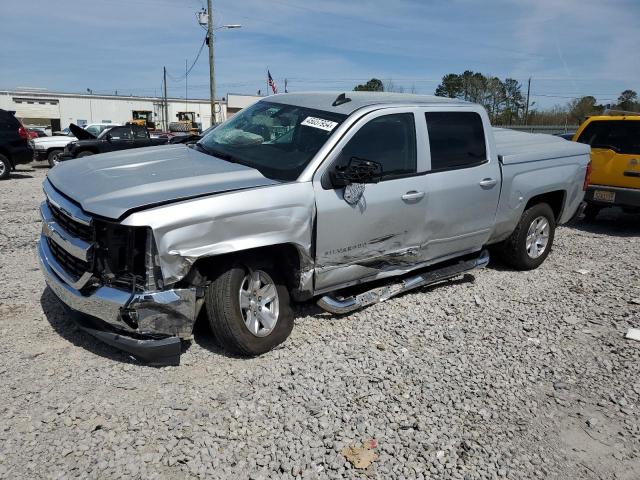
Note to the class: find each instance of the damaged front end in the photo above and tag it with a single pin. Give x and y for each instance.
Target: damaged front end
(109, 273)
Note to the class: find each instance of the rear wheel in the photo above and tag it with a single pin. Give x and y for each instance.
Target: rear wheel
(85, 153)
(53, 157)
(249, 308)
(530, 243)
(5, 167)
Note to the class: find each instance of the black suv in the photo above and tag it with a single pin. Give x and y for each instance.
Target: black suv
(14, 144)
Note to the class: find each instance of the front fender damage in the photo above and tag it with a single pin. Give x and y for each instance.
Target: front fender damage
(233, 222)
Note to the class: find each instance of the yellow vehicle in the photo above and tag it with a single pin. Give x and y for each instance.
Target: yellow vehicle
(615, 162)
(144, 118)
(186, 123)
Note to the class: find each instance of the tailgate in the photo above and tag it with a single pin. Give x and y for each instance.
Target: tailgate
(615, 169)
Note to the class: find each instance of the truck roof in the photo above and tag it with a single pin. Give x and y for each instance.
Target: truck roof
(325, 100)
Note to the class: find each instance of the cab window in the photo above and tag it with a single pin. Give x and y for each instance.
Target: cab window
(139, 133)
(122, 133)
(456, 140)
(389, 140)
(621, 136)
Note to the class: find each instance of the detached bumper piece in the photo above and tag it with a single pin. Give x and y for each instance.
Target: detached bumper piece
(152, 351)
(148, 325)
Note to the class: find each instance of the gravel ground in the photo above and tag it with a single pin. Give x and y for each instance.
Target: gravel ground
(501, 375)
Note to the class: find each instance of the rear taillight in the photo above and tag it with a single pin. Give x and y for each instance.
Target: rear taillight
(23, 133)
(587, 177)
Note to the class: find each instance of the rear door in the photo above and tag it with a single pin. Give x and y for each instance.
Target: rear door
(615, 151)
(463, 182)
(373, 232)
(140, 136)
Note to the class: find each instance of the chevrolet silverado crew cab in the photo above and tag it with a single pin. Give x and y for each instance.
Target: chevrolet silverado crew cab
(348, 200)
(615, 159)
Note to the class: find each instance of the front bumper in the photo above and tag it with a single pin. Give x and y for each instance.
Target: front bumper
(40, 155)
(624, 197)
(148, 325)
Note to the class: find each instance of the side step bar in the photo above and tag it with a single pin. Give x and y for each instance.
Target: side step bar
(380, 294)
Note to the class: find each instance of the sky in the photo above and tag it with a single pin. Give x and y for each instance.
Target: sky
(569, 48)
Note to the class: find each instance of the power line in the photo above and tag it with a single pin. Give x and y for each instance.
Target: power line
(181, 78)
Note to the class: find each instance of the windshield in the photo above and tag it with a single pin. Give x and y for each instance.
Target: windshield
(278, 140)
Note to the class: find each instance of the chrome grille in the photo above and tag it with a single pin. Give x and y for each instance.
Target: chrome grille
(76, 229)
(72, 265)
(69, 236)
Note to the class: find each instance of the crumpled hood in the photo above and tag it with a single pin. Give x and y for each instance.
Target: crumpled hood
(111, 184)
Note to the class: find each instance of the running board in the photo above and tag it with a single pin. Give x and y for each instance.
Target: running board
(380, 294)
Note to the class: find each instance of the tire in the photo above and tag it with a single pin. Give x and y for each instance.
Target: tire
(514, 250)
(230, 323)
(591, 211)
(178, 127)
(5, 167)
(52, 157)
(84, 153)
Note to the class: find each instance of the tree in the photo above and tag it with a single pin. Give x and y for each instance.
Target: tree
(451, 86)
(373, 85)
(580, 108)
(628, 100)
(502, 100)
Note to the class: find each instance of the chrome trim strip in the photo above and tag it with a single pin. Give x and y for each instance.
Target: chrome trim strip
(69, 208)
(47, 255)
(340, 306)
(51, 229)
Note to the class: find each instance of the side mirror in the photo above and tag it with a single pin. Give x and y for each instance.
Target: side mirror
(358, 170)
(108, 136)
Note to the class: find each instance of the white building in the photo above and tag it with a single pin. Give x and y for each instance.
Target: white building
(42, 108)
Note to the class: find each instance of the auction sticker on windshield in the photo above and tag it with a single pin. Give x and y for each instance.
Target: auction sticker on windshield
(320, 123)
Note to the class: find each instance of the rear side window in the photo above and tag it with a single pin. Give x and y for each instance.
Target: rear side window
(389, 140)
(8, 121)
(139, 133)
(618, 135)
(456, 140)
(122, 133)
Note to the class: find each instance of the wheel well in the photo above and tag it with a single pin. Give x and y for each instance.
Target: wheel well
(554, 199)
(6, 154)
(51, 149)
(285, 256)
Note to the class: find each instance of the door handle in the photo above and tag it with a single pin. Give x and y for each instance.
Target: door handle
(488, 182)
(412, 196)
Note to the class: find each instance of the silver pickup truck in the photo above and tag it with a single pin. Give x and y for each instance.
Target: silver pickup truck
(347, 199)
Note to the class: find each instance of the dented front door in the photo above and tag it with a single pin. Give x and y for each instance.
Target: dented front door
(371, 230)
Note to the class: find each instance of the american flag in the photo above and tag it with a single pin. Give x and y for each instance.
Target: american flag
(271, 83)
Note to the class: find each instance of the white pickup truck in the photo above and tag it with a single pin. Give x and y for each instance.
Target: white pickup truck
(49, 148)
(346, 199)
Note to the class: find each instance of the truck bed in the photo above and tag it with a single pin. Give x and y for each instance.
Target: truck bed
(520, 147)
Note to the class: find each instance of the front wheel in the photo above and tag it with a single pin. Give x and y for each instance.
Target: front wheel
(249, 309)
(530, 243)
(53, 157)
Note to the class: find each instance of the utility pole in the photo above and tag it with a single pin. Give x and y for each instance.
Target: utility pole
(526, 111)
(166, 104)
(212, 68)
